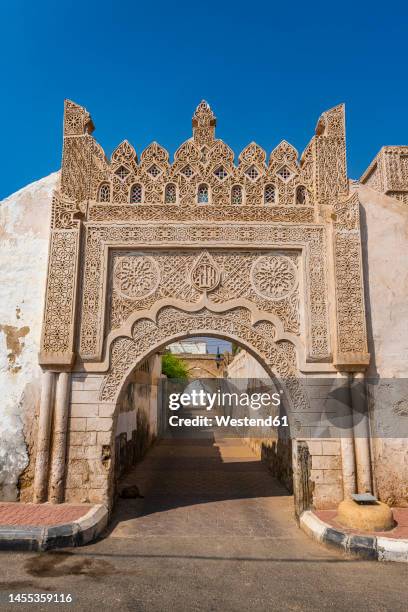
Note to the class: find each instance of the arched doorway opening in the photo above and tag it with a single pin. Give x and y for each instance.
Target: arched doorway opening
(273, 447)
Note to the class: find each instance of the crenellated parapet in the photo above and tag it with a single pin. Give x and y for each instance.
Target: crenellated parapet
(202, 173)
(281, 234)
(325, 157)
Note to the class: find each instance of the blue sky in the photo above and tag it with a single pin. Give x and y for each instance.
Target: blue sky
(268, 69)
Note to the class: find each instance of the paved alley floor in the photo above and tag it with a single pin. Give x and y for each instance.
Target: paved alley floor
(214, 531)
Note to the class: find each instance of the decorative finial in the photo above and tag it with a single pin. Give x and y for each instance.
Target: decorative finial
(204, 123)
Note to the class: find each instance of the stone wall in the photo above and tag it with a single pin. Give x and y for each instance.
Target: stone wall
(277, 449)
(274, 447)
(136, 425)
(98, 430)
(90, 442)
(24, 237)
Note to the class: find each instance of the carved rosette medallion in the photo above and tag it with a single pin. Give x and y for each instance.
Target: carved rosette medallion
(135, 276)
(205, 274)
(274, 276)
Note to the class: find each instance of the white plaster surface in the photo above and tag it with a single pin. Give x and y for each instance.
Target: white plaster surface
(384, 223)
(24, 235)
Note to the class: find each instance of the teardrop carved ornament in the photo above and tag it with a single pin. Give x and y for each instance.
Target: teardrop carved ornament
(205, 274)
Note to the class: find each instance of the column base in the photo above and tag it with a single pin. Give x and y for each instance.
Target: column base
(365, 517)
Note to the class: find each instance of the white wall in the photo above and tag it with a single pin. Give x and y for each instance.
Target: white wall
(384, 223)
(24, 234)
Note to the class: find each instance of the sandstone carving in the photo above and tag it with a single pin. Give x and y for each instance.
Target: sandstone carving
(264, 250)
(274, 276)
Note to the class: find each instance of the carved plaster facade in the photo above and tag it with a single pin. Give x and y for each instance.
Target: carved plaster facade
(388, 173)
(265, 251)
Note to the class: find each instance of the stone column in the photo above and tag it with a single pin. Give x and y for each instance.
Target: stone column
(348, 460)
(361, 433)
(59, 445)
(43, 440)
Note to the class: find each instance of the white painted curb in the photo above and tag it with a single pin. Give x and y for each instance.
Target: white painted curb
(369, 547)
(392, 550)
(313, 526)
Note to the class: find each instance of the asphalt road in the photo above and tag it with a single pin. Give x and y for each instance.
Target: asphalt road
(214, 532)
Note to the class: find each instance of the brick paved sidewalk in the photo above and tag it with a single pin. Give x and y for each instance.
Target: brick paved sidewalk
(40, 515)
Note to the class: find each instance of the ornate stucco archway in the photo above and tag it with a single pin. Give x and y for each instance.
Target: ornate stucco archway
(171, 324)
(264, 252)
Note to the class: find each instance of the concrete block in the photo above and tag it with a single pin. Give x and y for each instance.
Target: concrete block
(77, 383)
(106, 410)
(84, 396)
(326, 462)
(99, 424)
(75, 481)
(92, 452)
(100, 482)
(77, 452)
(327, 496)
(92, 382)
(96, 468)
(318, 391)
(331, 477)
(331, 447)
(82, 438)
(104, 437)
(77, 424)
(84, 410)
(317, 476)
(75, 495)
(315, 447)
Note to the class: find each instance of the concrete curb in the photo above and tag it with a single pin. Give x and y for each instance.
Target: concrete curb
(372, 548)
(79, 532)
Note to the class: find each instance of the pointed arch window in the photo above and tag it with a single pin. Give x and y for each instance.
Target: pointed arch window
(236, 194)
(301, 195)
(270, 194)
(104, 193)
(202, 194)
(170, 194)
(136, 194)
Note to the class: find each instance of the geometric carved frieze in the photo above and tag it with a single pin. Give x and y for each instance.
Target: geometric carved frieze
(202, 227)
(58, 326)
(274, 276)
(187, 274)
(262, 213)
(306, 241)
(148, 335)
(136, 276)
(351, 320)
